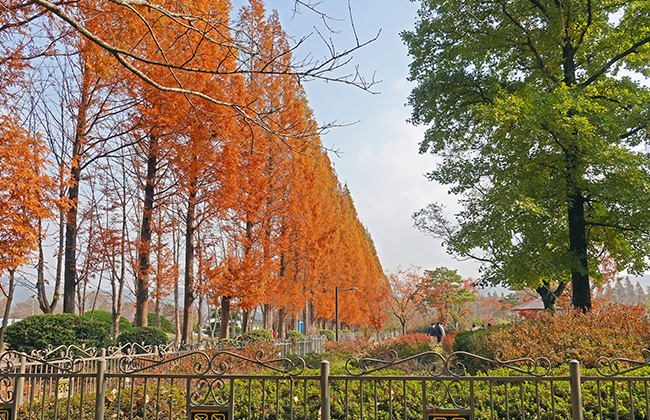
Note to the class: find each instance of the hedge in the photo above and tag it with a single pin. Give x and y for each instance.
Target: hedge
(37, 332)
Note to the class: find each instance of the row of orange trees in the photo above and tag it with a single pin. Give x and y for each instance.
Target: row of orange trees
(168, 150)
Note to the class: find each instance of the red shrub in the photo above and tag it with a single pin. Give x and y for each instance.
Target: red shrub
(448, 341)
(612, 330)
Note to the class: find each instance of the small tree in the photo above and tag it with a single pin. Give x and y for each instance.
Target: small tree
(446, 290)
(404, 296)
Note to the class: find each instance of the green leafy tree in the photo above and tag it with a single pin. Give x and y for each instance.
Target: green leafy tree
(536, 112)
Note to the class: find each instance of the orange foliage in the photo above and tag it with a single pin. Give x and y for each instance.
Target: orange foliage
(24, 193)
(610, 330)
(266, 221)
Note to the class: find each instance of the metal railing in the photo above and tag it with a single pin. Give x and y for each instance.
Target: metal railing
(286, 346)
(216, 384)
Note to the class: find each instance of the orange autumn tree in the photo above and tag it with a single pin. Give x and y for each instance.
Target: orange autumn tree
(24, 193)
(253, 262)
(24, 200)
(237, 159)
(404, 297)
(329, 247)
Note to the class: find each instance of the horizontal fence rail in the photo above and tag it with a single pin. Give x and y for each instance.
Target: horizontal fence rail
(172, 383)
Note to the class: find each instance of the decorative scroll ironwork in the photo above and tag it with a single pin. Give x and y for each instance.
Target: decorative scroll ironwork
(62, 359)
(210, 392)
(612, 367)
(63, 352)
(444, 392)
(215, 364)
(435, 364)
(8, 361)
(6, 390)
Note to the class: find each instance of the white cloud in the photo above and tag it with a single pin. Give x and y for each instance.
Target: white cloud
(385, 174)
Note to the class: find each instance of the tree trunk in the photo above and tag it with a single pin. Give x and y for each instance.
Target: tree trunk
(233, 326)
(578, 248)
(117, 283)
(189, 263)
(199, 319)
(550, 297)
(245, 321)
(293, 324)
(45, 306)
(267, 320)
(575, 204)
(312, 318)
(177, 318)
(10, 296)
(213, 324)
(225, 317)
(282, 321)
(70, 262)
(144, 244)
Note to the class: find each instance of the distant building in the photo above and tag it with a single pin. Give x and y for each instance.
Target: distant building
(533, 305)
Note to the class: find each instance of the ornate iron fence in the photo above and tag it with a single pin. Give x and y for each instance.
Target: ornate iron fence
(140, 383)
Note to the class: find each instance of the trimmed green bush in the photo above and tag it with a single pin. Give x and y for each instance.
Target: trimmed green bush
(143, 335)
(258, 335)
(165, 324)
(327, 333)
(36, 332)
(105, 317)
(474, 342)
(295, 335)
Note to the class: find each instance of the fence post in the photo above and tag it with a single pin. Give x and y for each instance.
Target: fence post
(100, 395)
(325, 390)
(19, 385)
(576, 391)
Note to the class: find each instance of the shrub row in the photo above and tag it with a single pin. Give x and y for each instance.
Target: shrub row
(611, 330)
(37, 332)
(125, 325)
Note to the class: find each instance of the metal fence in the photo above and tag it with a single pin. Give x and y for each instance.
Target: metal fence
(138, 383)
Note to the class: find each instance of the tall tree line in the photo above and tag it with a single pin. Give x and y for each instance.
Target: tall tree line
(195, 165)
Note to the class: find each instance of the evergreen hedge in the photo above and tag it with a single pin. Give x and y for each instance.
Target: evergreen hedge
(36, 332)
(105, 317)
(143, 335)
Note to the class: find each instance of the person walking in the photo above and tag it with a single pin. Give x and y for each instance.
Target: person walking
(432, 332)
(440, 331)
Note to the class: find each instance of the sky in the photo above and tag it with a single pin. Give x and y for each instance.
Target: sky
(378, 153)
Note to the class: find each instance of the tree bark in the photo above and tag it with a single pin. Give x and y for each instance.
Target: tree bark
(267, 320)
(70, 261)
(117, 281)
(43, 303)
(549, 297)
(578, 247)
(581, 297)
(10, 296)
(246, 316)
(282, 321)
(189, 263)
(144, 244)
(177, 318)
(225, 317)
(199, 319)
